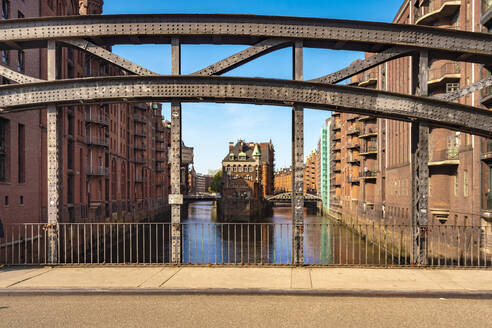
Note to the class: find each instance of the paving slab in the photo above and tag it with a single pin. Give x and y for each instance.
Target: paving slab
(10, 276)
(385, 279)
(205, 278)
(99, 277)
(301, 278)
(159, 278)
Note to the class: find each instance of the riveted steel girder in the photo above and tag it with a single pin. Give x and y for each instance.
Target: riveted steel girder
(247, 29)
(176, 143)
(249, 90)
(297, 163)
(108, 56)
(360, 66)
(54, 162)
(262, 48)
(479, 85)
(16, 76)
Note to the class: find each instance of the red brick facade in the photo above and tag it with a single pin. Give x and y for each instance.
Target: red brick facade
(371, 157)
(115, 157)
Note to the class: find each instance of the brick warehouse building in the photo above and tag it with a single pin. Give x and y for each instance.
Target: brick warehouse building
(371, 175)
(247, 177)
(115, 157)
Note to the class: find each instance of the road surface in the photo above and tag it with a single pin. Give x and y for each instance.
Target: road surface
(240, 311)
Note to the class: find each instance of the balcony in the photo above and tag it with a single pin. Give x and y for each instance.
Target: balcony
(96, 170)
(337, 147)
(352, 117)
(140, 133)
(486, 98)
(353, 179)
(139, 146)
(486, 18)
(367, 118)
(352, 145)
(337, 168)
(368, 150)
(435, 10)
(368, 132)
(352, 159)
(336, 136)
(353, 130)
(444, 157)
(448, 72)
(337, 125)
(368, 175)
(486, 151)
(96, 119)
(139, 119)
(97, 141)
(368, 79)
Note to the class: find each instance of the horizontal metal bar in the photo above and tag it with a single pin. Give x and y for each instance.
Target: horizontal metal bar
(363, 101)
(246, 29)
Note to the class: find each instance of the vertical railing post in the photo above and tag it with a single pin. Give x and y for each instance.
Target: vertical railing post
(420, 165)
(176, 197)
(54, 162)
(297, 164)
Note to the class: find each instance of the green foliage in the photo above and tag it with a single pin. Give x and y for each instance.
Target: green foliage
(216, 183)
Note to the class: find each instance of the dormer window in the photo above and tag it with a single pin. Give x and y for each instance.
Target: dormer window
(242, 156)
(231, 156)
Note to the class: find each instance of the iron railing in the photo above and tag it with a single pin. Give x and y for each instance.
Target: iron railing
(96, 118)
(444, 69)
(328, 243)
(98, 141)
(94, 170)
(450, 153)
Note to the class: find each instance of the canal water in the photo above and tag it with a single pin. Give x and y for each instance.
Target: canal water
(207, 240)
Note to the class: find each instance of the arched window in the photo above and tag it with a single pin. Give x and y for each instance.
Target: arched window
(234, 168)
(240, 168)
(250, 168)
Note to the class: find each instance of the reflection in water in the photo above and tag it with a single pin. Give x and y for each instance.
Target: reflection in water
(325, 242)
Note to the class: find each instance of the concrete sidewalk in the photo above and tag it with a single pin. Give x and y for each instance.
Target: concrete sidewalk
(244, 280)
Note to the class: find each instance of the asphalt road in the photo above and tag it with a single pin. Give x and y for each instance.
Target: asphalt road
(240, 311)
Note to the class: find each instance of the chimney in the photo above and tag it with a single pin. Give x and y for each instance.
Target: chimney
(90, 7)
(231, 145)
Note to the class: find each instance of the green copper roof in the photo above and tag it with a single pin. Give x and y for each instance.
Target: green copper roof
(155, 106)
(257, 151)
(242, 154)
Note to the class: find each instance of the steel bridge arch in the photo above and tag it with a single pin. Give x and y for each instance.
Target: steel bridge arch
(107, 30)
(248, 90)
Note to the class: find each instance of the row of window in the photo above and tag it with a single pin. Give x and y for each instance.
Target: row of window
(7, 201)
(239, 168)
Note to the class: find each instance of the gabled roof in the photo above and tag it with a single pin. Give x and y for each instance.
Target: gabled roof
(243, 148)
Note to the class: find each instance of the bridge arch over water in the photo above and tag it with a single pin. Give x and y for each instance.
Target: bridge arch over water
(265, 34)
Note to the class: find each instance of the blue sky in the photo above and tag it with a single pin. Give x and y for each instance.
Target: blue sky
(209, 127)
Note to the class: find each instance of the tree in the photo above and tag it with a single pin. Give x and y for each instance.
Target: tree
(216, 183)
